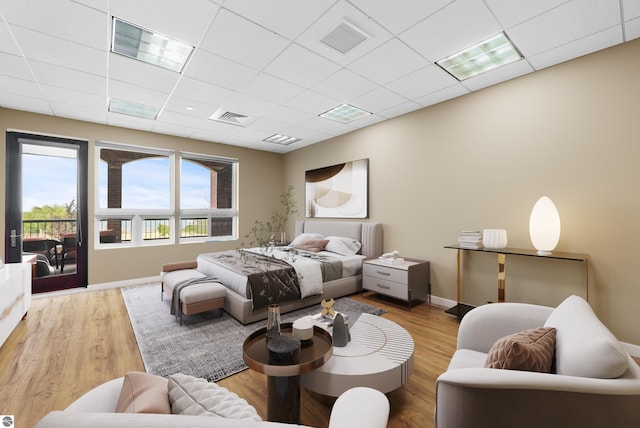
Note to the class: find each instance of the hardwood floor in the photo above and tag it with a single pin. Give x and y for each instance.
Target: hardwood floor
(70, 344)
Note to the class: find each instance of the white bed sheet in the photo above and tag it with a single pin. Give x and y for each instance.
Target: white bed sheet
(308, 270)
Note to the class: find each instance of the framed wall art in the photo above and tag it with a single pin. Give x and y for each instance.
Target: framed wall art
(338, 191)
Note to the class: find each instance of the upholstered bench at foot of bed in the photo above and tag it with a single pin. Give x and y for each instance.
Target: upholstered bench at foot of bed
(196, 298)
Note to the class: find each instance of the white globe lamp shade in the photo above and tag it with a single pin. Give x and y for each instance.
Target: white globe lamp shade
(544, 226)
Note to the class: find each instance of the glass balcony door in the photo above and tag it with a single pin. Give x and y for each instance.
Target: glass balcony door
(46, 209)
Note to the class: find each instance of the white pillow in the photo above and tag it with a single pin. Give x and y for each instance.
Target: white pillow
(194, 396)
(305, 236)
(342, 245)
(584, 346)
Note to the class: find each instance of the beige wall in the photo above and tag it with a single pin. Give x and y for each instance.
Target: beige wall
(261, 182)
(570, 132)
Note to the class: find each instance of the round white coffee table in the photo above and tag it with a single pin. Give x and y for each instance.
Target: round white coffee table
(379, 356)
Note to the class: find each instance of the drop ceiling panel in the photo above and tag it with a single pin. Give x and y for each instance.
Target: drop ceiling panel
(185, 22)
(399, 110)
(422, 82)
(128, 92)
(79, 113)
(632, 29)
(60, 52)
(7, 43)
(389, 62)
(396, 16)
(562, 25)
(301, 66)
(138, 73)
(341, 12)
(442, 95)
(313, 103)
(23, 102)
(116, 119)
(511, 13)
(63, 77)
(14, 85)
(13, 65)
(173, 118)
(631, 9)
(204, 92)
(272, 89)
(68, 96)
(288, 116)
(578, 48)
(287, 18)
(379, 99)
(59, 18)
(212, 68)
(344, 85)
(240, 40)
(190, 107)
(451, 29)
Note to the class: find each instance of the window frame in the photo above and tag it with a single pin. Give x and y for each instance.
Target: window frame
(209, 213)
(173, 214)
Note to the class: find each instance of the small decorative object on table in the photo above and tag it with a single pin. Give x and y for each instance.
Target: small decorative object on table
(341, 334)
(303, 330)
(392, 257)
(494, 238)
(273, 322)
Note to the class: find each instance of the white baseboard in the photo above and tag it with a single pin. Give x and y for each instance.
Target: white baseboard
(98, 287)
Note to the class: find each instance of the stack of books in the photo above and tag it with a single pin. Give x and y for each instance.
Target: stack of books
(471, 239)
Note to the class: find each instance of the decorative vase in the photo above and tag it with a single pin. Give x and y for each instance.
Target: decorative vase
(494, 238)
(283, 238)
(273, 321)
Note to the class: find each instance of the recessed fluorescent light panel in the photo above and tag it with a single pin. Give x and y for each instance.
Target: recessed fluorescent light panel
(145, 45)
(133, 109)
(281, 139)
(345, 113)
(481, 57)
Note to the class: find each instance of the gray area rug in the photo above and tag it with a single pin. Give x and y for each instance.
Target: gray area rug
(207, 345)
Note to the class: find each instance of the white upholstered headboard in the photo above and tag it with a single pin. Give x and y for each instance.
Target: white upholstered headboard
(369, 234)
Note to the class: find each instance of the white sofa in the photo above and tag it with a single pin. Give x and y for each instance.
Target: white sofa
(357, 407)
(593, 382)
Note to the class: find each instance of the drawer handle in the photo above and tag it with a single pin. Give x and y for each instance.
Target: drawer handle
(383, 273)
(385, 287)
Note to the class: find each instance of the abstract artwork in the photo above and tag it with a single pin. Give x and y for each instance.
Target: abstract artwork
(338, 191)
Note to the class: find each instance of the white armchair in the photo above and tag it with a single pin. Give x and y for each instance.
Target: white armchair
(595, 383)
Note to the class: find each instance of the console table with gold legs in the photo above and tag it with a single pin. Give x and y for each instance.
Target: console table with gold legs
(461, 309)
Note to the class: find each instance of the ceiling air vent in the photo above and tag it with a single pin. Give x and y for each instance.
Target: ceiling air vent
(344, 37)
(231, 118)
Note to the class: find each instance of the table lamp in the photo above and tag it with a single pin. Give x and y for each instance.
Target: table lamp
(544, 226)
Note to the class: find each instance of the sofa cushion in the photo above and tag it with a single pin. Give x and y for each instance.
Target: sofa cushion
(584, 346)
(143, 393)
(196, 396)
(529, 350)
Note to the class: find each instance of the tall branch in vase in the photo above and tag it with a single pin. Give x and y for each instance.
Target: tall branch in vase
(262, 235)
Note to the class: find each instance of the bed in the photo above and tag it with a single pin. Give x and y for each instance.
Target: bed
(241, 307)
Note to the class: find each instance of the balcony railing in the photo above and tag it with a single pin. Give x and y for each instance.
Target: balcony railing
(47, 229)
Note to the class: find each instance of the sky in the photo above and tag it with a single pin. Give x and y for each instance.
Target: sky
(48, 180)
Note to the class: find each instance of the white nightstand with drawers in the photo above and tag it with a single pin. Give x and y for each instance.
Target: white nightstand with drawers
(406, 280)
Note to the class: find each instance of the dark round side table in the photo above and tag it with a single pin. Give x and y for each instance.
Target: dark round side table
(283, 401)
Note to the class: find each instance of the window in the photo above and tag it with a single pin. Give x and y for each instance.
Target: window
(136, 197)
(207, 195)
